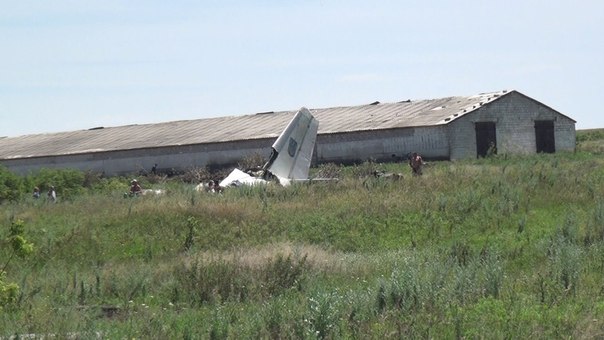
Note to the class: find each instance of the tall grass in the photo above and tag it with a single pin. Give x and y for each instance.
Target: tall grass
(503, 247)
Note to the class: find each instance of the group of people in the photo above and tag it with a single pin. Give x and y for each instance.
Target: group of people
(51, 194)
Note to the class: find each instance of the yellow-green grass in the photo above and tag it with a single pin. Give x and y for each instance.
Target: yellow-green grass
(505, 247)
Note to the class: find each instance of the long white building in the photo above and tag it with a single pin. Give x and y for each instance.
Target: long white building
(446, 128)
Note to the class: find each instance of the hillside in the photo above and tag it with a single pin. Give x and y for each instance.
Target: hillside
(503, 247)
(591, 140)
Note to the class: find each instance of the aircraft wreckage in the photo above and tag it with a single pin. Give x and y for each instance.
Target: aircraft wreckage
(290, 158)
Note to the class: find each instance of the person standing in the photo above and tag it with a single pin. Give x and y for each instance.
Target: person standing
(52, 194)
(416, 162)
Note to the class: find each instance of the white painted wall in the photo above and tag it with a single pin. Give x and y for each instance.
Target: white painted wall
(134, 161)
(514, 115)
(393, 144)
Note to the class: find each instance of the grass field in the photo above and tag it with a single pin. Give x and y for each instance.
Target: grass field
(504, 247)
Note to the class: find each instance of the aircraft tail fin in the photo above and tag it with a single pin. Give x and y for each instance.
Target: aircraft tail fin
(292, 151)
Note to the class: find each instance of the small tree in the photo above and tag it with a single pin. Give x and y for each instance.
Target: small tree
(19, 247)
(10, 185)
(68, 182)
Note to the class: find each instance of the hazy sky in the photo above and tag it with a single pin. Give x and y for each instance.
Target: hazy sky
(68, 65)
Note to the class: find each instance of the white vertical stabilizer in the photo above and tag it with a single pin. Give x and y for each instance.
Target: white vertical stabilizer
(292, 152)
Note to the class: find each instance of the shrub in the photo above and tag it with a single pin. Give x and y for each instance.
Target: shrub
(19, 247)
(328, 170)
(365, 169)
(92, 179)
(219, 280)
(252, 161)
(595, 227)
(111, 185)
(8, 292)
(323, 314)
(493, 273)
(590, 135)
(283, 273)
(196, 175)
(67, 182)
(10, 185)
(212, 282)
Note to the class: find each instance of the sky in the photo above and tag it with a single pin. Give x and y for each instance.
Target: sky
(71, 65)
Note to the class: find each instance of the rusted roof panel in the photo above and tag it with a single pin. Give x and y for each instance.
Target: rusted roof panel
(225, 129)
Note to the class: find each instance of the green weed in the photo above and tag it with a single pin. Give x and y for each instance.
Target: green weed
(500, 247)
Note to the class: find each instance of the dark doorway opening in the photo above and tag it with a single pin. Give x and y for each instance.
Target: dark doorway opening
(486, 139)
(544, 136)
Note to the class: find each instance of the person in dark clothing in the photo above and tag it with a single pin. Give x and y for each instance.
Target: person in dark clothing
(135, 188)
(416, 162)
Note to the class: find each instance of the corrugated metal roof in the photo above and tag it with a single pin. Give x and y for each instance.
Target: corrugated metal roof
(373, 116)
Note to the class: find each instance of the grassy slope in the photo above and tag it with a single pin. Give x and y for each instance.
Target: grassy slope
(506, 247)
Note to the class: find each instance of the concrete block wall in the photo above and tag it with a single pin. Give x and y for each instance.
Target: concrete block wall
(566, 134)
(514, 116)
(178, 158)
(462, 139)
(382, 145)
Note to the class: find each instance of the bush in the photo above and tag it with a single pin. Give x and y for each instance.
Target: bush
(284, 273)
(365, 169)
(252, 161)
(328, 170)
(10, 185)
(590, 135)
(8, 292)
(67, 182)
(196, 175)
(111, 185)
(19, 247)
